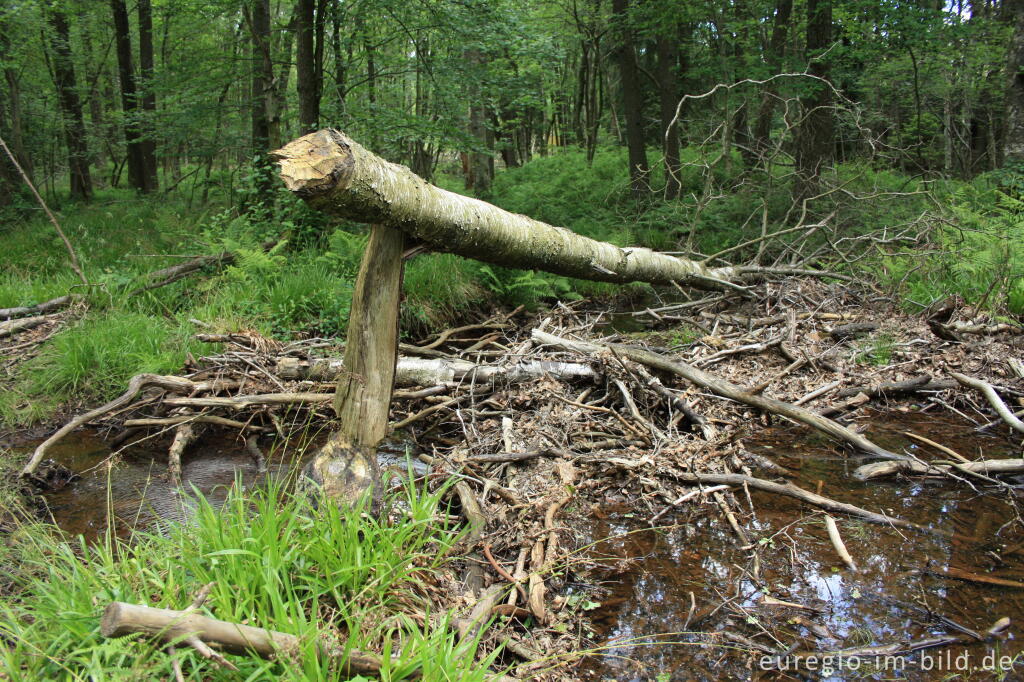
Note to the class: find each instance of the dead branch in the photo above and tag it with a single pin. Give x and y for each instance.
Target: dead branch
(37, 309)
(12, 327)
(120, 619)
(137, 383)
(993, 398)
(723, 389)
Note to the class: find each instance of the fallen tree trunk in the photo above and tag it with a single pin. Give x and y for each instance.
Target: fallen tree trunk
(120, 619)
(37, 309)
(434, 371)
(335, 174)
(722, 388)
(884, 469)
(12, 327)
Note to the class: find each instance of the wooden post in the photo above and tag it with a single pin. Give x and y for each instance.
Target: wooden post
(346, 467)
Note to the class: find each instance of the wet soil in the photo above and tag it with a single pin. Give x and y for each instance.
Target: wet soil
(652, 576)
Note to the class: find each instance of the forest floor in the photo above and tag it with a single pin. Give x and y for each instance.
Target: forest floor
(563, 435)
(608, 463)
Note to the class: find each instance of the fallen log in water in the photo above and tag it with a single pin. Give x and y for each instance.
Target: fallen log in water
(914, 468)
(721, 388)
(807, 496)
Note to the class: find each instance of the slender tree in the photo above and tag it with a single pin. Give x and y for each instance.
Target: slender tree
(1013, 139)
(70, 104)
(773, 58)
(815, 134)
(258, 17)
(632, 99)
(129, 96)
(148, 99)
(306, 66)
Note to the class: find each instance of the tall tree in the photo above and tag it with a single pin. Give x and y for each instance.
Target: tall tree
(258, 16)
(814, 143)
(668, 96)
(148, 99)
(773, 58)
(1013, 140)
(70, 104)
(306, 67)
(129, 97)
(632, 99)
(11, 124)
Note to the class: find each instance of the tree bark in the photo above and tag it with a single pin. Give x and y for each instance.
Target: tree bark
(337, 175)
(816, 131)
(148, 99)
(305, 67)
(668, 96)
(763, 124)
(129, 96)
(262, 94)
(632, 101)
(70, 105)
(1013, 140)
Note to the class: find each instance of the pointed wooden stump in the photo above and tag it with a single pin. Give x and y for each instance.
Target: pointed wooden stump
(346, 467)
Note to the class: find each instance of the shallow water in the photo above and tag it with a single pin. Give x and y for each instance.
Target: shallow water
(894, 596)
(648, 576)
(132, 489)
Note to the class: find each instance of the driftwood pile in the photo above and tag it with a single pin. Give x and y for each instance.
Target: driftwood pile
(540, 418)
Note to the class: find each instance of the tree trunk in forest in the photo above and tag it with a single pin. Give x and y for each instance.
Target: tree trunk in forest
(1013, 139)
(337, 175)
(148, 111)
(815, 134)
(346, 466)
(70, 105)
(12, 129)
(340, 61)
(305, 67)
(668, 95)
(766, 112)
(129, 96)
(632, 100)
(262, 92)
(481, 163)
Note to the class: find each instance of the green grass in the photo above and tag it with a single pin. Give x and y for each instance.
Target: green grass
(276, 560)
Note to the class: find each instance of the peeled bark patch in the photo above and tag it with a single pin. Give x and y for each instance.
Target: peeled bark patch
(335, 174)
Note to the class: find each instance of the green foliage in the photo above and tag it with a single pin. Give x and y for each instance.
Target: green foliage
(876, 349)
(977, 254)
(275, 560)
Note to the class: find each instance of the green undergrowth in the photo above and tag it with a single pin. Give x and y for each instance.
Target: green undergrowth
(976, 254)
(302, 286)
(276, 560)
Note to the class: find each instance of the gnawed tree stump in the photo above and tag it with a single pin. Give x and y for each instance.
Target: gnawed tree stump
(346, 467)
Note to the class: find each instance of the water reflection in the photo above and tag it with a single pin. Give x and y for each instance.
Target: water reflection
(895, 596)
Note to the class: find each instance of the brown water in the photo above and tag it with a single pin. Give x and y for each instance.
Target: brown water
(895, 595)
(132, 489)
(647, 576)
